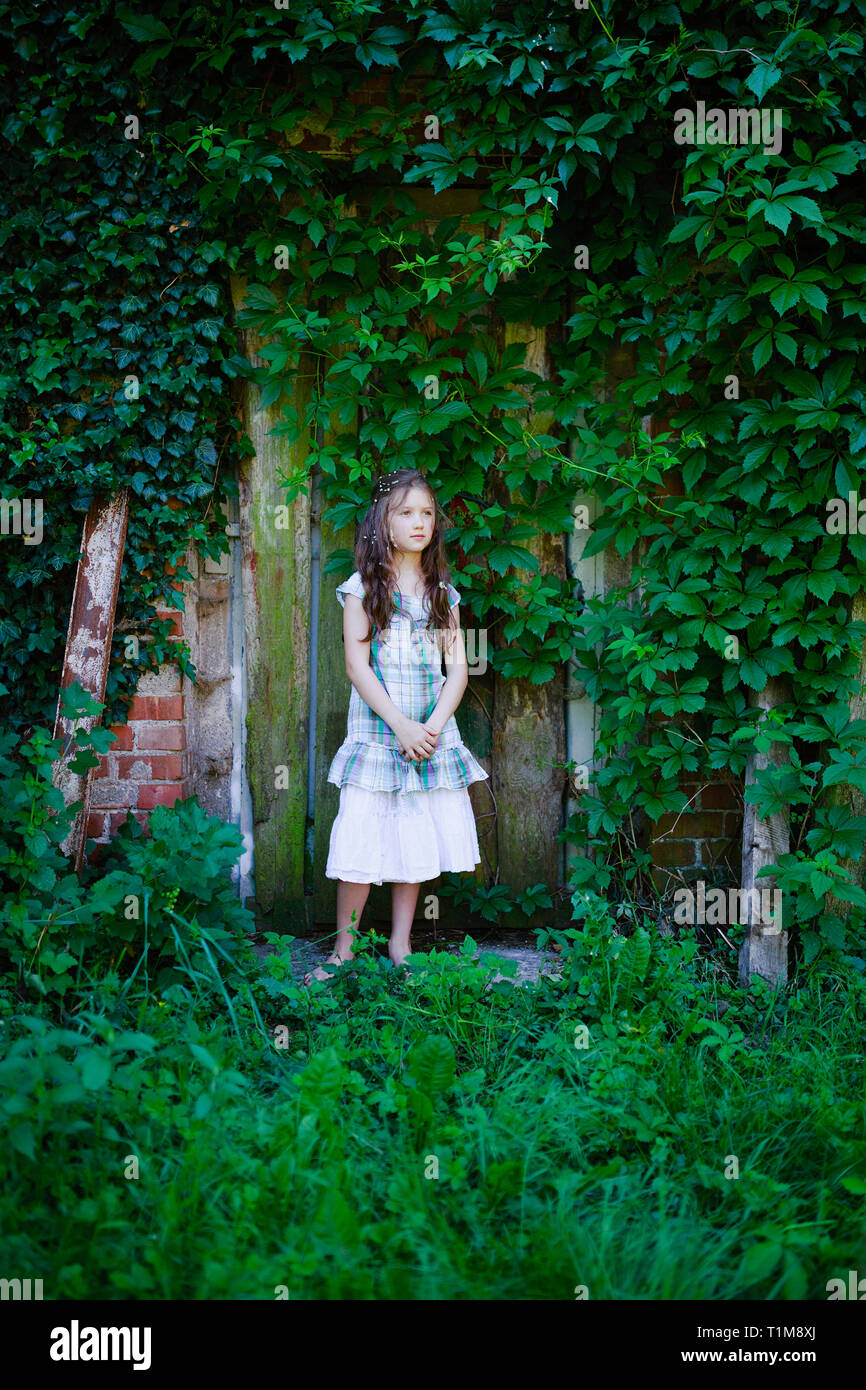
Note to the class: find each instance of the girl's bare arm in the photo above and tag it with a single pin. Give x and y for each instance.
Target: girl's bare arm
(456, 680)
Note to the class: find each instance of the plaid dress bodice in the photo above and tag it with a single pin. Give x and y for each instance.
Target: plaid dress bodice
(407, 659)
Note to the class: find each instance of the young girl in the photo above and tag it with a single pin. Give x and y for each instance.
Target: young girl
(405, 814)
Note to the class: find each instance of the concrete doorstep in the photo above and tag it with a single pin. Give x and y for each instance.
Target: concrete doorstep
(517, 947)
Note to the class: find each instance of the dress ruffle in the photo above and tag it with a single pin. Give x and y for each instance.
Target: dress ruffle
(379, 768)
(383, 837)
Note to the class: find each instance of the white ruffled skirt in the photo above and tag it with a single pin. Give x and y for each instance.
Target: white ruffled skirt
(393, 837)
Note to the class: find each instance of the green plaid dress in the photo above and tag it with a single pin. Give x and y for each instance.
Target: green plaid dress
(408, 662)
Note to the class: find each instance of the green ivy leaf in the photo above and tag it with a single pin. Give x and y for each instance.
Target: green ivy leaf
(142, 27)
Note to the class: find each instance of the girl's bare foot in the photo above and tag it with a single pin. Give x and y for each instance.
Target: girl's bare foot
(398, 954)
(321, 974)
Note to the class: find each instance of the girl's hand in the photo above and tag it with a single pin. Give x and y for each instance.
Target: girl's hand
(417, 741)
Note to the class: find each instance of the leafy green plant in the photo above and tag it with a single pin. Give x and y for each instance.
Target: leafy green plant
(489, 1141)
(179, 898)
(719, 295)
(47, 920)
(579, 1125)
(167, 900)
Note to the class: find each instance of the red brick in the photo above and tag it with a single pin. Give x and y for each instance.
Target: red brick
(168, 767)
(690, 789)
(127, 761)
(690, 825)
(118, 818)
(671, 823)
(141, 708)
(162, 794)
(157, 707)
(667, 879)
(168, 706)
(676, 853)
(317, 142)
(124, 738)
(96, 825)
(719, 797)
(103, 770)
(167, 737)
(717, 851)
(161, 767)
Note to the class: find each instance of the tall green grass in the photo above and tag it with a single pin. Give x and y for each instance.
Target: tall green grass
(440, 1133)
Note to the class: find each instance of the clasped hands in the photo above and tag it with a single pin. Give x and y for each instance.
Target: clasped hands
(417, 741)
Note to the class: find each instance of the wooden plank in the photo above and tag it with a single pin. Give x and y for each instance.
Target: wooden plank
(764, 951)
(845, 793)
(529, 748)
(333, 688)
(332, 706)
(88, 644)
(276, 584)
(582, 715)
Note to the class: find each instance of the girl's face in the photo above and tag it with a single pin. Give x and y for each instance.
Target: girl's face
(411, 521)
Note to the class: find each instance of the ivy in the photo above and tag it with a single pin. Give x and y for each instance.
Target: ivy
(720, 295)
(117, 354)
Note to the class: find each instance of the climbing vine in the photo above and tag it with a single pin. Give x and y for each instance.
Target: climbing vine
(706, 311)
(117, 352)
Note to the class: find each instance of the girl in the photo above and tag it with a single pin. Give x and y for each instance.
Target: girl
(405, 814)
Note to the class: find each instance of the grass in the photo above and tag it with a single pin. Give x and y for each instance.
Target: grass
(441, 1137)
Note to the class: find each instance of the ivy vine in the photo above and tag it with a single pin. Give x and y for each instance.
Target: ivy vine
(723, 280)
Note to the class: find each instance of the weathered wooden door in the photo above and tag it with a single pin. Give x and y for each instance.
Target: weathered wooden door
(298, 691)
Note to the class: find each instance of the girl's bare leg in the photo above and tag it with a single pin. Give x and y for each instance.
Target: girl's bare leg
(404, 897)
(349, 896)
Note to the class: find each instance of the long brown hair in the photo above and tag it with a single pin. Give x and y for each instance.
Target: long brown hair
(374, 554)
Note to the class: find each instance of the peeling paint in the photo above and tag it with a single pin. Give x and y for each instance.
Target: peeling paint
(88, 642)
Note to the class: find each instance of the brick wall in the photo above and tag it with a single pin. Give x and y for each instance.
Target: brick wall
(701, 841)
(705, 840)
(178, 741)
(148, 765)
